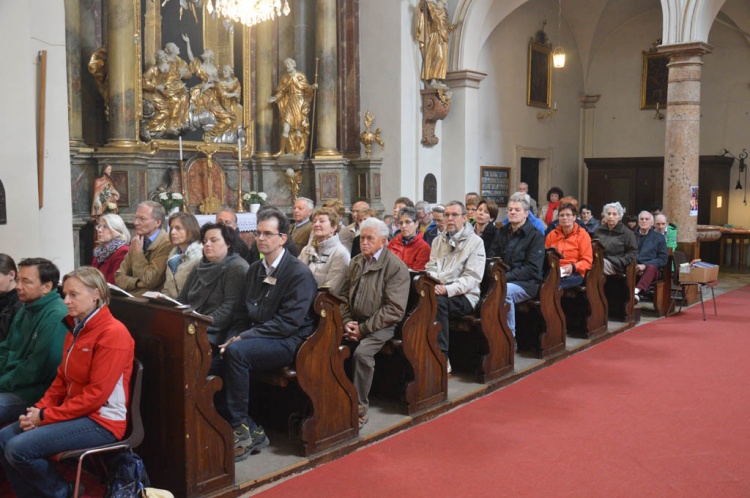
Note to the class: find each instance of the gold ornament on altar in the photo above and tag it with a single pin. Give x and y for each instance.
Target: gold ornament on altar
(248, 13)
(368, 137)
(293, 96)
(98, 69)
(210, 204)
(294, 180)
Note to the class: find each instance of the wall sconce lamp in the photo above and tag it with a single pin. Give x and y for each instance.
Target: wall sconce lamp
(659, 115)
(542, 115)
(742, 169)
(558, 54)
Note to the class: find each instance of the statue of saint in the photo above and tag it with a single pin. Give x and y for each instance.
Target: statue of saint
(229, 114)
(433, 29)
(165, 95)
(293, 96)
(105, 195)
(98, 69)
(205, 107)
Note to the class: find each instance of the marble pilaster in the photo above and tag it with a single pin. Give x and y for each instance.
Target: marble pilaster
(586, 144)
(682, 141)
(73, 59)
(365, 182)
(264, 88)
(349, 91)
(327, 112)
(122, 46)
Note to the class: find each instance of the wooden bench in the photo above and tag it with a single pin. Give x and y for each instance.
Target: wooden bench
(540, 322)
(663, 288)
(330, 415)
(425, 380)
(489, 324)
(586, 306)
(620, 293)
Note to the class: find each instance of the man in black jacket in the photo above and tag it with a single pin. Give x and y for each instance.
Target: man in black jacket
(521, 247)
(270, 323)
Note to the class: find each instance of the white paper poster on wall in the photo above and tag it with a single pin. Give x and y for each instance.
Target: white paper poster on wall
(693, 201)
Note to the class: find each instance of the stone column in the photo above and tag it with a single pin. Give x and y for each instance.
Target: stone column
(586, 145)
(264, 87)
(682, 142)
(303, 12)
(122, 45)
(73, 59)
(327, 112)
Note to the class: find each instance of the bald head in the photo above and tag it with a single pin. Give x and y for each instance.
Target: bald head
(660, 223)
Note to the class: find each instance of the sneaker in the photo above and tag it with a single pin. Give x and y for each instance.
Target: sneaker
(259, 440)
(449, 368)
(242, 436)
(637, 298)
(363, 419)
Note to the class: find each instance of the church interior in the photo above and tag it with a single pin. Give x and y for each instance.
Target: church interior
(651, 107)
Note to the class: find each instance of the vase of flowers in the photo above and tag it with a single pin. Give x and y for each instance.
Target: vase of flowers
(171, 201)
(254, 200)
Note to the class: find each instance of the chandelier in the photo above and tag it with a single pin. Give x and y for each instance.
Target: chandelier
(248, 12)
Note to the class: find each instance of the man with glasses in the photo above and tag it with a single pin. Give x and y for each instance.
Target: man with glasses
(348, 233)
(144, 267)
(652, 253)
(271, 321)
(457, 261)
(409, 245)
(228, 217)
(437, 225)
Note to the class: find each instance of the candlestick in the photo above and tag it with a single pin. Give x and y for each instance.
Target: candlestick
(239, 149)
(180, 148)
(240, 207)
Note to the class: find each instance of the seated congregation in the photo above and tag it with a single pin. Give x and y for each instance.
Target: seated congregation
(317, 304)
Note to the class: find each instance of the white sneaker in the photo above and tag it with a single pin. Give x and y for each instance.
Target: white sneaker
(449, 366)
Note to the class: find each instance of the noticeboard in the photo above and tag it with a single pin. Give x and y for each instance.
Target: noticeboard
(494, 184)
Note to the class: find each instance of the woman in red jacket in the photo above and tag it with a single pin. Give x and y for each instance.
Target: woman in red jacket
(409, 245)
(574, 244)
(86, 405)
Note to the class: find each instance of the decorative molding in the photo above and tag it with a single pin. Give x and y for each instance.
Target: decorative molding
(464, 79)
(436, 104)
(589, 101)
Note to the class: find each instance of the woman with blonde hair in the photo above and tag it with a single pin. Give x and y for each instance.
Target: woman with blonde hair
(113, 237)
(185, 235)
(325, 255)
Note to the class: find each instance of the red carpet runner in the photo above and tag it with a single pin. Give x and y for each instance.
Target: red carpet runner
(661, 410)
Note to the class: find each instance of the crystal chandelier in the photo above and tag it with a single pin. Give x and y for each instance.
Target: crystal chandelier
(248, 12)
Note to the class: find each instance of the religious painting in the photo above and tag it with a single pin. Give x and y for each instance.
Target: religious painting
(429, 188)
(120, 179)
(329, 186)
(654, 80)
(494, 182)
(201, 185)
(694, 201)
(539, 80)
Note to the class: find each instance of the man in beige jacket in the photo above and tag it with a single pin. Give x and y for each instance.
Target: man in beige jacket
(377, 290)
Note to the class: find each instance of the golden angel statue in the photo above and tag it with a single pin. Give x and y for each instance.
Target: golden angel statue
(293, 96)
(433, 28)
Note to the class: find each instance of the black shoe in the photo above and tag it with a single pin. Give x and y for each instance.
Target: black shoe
(259, 440)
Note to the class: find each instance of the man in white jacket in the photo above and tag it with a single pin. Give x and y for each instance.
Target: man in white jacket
(457, 261)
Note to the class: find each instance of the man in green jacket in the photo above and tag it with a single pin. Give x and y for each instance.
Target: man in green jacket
(31, 353)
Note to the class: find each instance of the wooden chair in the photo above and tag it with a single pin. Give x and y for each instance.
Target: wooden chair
(540, 322)
(586, 306)
(489, 325)
(133, 435)
(682, 287)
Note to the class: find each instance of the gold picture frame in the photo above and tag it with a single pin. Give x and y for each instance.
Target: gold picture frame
(654, 80)
(539, 76)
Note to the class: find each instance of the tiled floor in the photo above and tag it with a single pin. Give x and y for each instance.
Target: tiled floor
(386, 415)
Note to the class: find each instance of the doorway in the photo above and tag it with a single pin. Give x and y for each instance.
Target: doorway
(530, 175)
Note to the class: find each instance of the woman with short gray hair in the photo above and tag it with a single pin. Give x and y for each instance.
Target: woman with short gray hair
(620, 246)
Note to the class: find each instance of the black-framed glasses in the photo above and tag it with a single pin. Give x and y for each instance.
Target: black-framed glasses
(258, 234)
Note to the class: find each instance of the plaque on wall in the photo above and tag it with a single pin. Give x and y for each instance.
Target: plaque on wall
(329, 186)
(429, 188)
(494, 182)
(362, 190)
(3, 203)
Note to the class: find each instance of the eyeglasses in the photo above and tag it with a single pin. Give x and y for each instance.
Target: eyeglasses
(404, 223)
(141, 219)
(102, 227)
(266, 235)
(453, 215)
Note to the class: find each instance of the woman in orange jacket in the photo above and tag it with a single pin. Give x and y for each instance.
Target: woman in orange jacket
(574, 245)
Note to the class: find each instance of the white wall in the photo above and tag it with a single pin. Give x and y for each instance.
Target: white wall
(34, 232)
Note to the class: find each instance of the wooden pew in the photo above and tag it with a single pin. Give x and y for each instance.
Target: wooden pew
(188, 447)
(620, 293)
(586, 306)
(489, 322)
(663, 288)
(540, 322)
(331, 415)
(415, 341)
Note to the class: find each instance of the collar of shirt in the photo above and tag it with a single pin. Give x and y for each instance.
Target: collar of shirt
(371, 261)
(297, 225)
(272, 268)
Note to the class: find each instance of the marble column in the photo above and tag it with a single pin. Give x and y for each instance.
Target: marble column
(303, 12)
(264, 88)
(349, 75)
(73, 59)
(122, 46)
(682, 142)
(327, 112)
(586, 144)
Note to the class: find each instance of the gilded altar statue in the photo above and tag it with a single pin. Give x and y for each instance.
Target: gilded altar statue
(165, 97)
(293, 96)
(433, 29)
(205, 108)
(368, 137)
(105, 195)
(98, 69)
(229, 113)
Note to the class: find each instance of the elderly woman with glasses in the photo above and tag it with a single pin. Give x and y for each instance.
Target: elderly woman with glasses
(113, 237)
(325, 255)
(573, 243)
(409, 244)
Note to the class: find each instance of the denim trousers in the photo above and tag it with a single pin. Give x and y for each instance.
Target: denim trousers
(11, 407)
(242, 357)
(23, 454)
(572, 280)
(515, 294)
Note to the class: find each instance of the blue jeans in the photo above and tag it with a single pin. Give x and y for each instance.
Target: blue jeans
(515, 294)
(23, 455)
(245, 356)
(573, 280)
(11, 407)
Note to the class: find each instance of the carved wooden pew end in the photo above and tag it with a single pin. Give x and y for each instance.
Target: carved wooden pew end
(586, 306)
(620, 293)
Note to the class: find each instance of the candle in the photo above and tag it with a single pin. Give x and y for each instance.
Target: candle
(657, 106)
(180, 148)
(555, 105)
(239, 148)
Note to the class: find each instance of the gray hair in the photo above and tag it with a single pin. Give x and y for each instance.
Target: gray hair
(522, 199)
(227, 210)
(408, 211)
(115, 223)
(438, 208)
(457, 203)
(616, 206)
(309, 202)
(651, 216)
(157, 211)
(380, 227)
(422, 207)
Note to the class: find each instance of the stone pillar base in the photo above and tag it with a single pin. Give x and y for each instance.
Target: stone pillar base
(365, 182)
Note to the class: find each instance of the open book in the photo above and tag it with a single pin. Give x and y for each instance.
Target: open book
(160, 298)
(118, 291)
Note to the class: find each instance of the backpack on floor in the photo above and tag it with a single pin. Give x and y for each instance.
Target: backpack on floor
(128, 477)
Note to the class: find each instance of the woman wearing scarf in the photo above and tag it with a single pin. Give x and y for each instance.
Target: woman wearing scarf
(549, 211)
(325, 255)
(113, 237)
(184, 233)
(409, 244)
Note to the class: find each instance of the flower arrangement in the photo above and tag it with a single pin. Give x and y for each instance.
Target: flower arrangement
(170, 200)
(254, 197)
